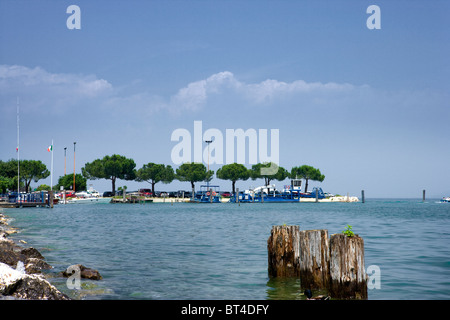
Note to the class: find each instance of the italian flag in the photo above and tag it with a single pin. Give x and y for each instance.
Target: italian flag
(50, 148)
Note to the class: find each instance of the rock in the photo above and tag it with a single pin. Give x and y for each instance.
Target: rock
(86, 273)
(32, 253)
(12, 254)
(9, 254)
(34, 265)
(24, 286)
(19, 268)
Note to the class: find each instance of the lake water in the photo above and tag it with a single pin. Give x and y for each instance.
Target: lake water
(219, 251)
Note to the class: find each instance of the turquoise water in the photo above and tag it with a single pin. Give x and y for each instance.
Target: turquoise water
(219, 251)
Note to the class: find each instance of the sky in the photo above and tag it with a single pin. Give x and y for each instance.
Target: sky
(369, 107)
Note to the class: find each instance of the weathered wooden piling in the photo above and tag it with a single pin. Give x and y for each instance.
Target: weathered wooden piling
(314, 259)
(283, 251)
(423, 195)
(50, 199)
(363, 199)
(348, 279)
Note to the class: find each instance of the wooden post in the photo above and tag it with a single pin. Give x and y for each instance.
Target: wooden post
(348, 279)
(423, 195)
(237, 195)
(362, 196)
(50, 198)
(283, 251)
(314, 259)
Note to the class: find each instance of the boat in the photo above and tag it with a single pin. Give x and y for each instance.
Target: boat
(89, 196)
(89, 200)
(445, 199)
(269, 193)
(207, 194)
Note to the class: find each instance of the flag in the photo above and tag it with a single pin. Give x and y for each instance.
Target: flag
(50, 148)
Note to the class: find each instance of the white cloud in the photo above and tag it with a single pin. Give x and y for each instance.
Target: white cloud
(52, 90)
(196, 94)
(60, 91)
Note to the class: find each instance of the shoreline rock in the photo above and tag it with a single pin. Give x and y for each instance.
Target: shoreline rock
(85, 273)
(21, 270)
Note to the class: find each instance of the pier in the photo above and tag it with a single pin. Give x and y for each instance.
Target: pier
(22, 204)
(29, 200)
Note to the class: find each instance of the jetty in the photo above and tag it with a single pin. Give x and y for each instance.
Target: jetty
(29, 200)
(22, 204)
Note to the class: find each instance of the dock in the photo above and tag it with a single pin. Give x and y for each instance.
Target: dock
(22, 204)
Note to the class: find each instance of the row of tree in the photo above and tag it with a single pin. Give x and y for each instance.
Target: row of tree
(119, 167)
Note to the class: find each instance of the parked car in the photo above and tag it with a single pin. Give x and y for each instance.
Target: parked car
(187, 194)
(145, 192)
(225, 194)
(108, 194)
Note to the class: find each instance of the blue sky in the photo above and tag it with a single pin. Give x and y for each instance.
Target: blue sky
(369, 108)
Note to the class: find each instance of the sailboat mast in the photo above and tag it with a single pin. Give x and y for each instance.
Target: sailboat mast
(51, 173)
(18, 151)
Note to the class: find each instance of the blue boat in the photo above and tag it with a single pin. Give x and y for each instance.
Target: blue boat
(290, 193)
(207, 194)
(445, 199)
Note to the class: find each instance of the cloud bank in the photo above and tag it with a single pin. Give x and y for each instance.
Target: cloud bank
(51, 90)
(59, 92)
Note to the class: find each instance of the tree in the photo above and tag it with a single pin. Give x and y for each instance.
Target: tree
(7, 183)
(233, 172)
(154, 173)
(29, 170)
(9, 168)
(43, 187)
(110, 167)
(32, 170)
(193, 172)
(256, 172)
(307, 173)
(67, 182)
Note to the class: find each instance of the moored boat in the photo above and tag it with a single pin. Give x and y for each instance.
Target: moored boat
(207, 194)
(89, 200)
(89, 196)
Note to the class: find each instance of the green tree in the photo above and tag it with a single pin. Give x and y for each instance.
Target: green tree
(43, 187)
(8, 168)
(32, 170)
(111, 168)
(8, 174)
(7, 183)
(233, 172)
(307, 173)
(193, 172)
(154, 173)
(257, 172)
(67, 182)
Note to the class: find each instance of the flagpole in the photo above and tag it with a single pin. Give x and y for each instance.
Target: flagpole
(74, 166)
(18, 152)
(51, 172)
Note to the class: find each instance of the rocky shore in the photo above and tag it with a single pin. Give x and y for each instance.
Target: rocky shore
(21, 270)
